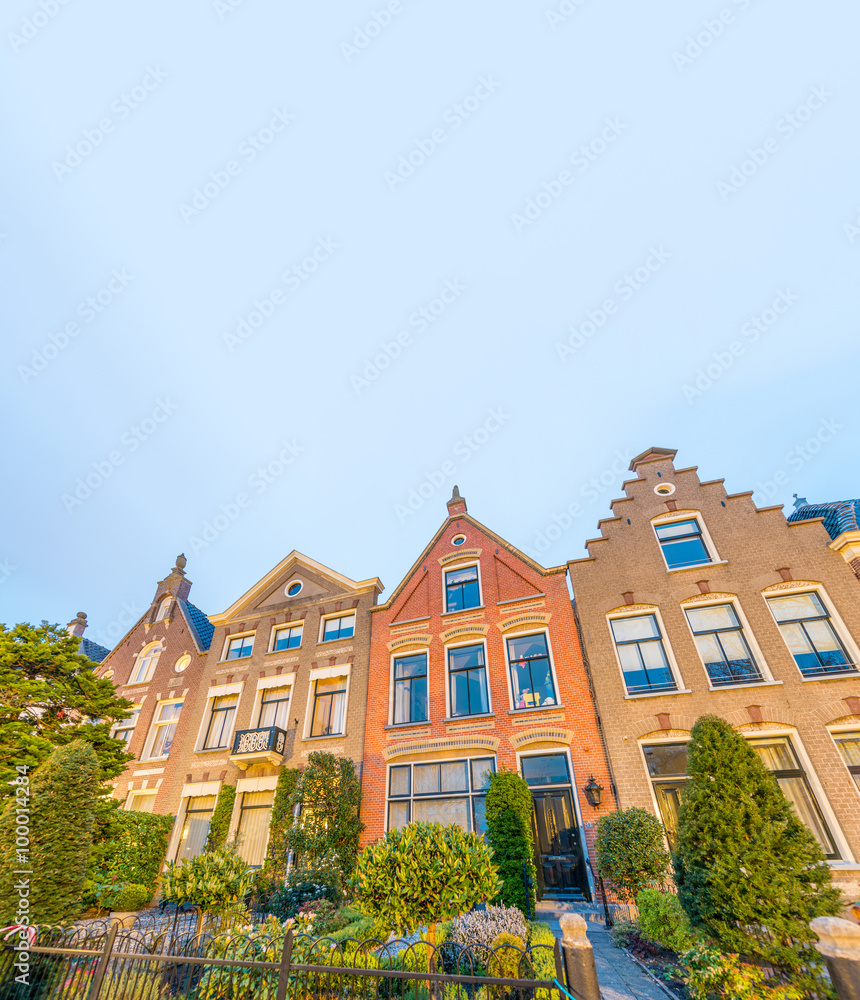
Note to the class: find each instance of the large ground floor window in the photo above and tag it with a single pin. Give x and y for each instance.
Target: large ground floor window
(252, 834)
(195, 829)
(444, 791)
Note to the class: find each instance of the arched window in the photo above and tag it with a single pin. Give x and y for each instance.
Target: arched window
(165, 607)
(146, 661)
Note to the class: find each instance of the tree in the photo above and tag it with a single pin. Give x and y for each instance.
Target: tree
(509, 834)
(424, 873)
(217, 882)
(630, 852)
(750, 875)
(62, 800)
(50, 696)
(329, 793)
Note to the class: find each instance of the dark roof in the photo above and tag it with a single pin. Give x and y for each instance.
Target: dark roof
(198, 623)
(839, 516)
(93, 650)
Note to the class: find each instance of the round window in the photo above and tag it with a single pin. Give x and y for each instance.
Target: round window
(107, 675)
(293, 589)
(664, 489)
(458, 539)
(182, 663)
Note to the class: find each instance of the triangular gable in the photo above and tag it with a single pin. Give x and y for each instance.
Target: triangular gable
(417, 604)
(311, 587)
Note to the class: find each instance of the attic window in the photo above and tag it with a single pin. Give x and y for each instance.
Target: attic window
(458, 539)
(664, 489)
(294, 589)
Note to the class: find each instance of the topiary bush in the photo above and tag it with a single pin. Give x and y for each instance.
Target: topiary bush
(542, 945)
(509, 834)
(662, 920)
(481, 927)
(216, 882)
(132, 850)
(131, 897)
(630, 852)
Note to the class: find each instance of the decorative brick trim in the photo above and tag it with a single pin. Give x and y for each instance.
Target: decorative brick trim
(470, 726)
(531, 720)
(416, 639)
(489, 743)
(711, 595)
(463, 630)
(792, 585)
(420, 734)
(462, 554)
(542, 734)
(528, 619)
(633, 607)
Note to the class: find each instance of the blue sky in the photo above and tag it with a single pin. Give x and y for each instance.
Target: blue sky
(279, 269)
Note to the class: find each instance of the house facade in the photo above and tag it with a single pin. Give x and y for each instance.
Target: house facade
(694, 601)
(476, 666)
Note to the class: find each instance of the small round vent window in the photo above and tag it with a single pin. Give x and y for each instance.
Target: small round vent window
(182, 663)
(458, 539)
(293, 589)
(664, 489)
(107, 675)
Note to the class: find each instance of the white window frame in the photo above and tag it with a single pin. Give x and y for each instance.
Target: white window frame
(321, 674)
(238, 635)
(264, 684)
(139, 793)
(835, 731)
(518, 634)
(153, 663)
(337, 614)
(155, 725)
(416, 651)
(690, 515)
(749, 637)
(163, 608)
(450, 568)
(123, 726)
(285, 625)
(211, 695)
(648, 609)
(474, 641)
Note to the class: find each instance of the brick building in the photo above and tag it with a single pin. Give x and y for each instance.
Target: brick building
(476, 665)
(694, 601)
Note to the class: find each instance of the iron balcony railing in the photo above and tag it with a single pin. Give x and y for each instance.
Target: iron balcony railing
(259, 740)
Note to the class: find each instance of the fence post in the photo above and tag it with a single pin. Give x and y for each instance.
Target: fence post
(578, 958)
(284, 972)
(96, 983)
(839, 943)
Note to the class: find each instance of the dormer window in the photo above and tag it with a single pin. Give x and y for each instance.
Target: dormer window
(164, 609)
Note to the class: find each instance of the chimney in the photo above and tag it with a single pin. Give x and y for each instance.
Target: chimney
(174, 583)
(653, 455)
(77, 626)
(456, 505)
(800, 502)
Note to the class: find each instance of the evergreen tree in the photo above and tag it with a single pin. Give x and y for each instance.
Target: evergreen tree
(750, 875)
(62, 800)
(509, 834)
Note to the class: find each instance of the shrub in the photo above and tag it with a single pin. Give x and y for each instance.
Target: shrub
(263, 943)
(624, 933)
(508, 954)
(132, 850)
(663, 920)
(215, 882)
(542, 943)
(630, 852)
(219, 825)
(713, 975)
(275, 866)
(131, 897)
(315, 878)
(482, 927)
(750, 875)
(509, 833)
(422, 874)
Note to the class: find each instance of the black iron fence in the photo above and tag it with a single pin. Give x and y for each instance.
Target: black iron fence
(116, 963)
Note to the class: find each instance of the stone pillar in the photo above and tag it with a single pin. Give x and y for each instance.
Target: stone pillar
(578, 958)
(839, 943)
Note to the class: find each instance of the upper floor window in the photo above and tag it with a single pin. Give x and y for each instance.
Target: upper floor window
(339, 627)
(165, 607)
(220, 725)
(682, 543)
(410, 688)
(461, 589)
(809, 634)
(467, 673)
(164, 728)
(289, 637)
(329, 711)
(274, 708)
(720, 639)
(239, 647)
(531, 675)
(146, 661)
(125, 730)
(643, 658)
(849, 747)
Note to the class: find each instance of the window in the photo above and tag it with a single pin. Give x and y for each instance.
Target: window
(667, 768)
(220, 722)
(146, 661)
(682, 543)
(467, 675)
(287, 638)
(778, 756)
(449, 791)
(849, 747)
(547, 769)
(165, 607)
(329, 707)
(461, 589)
(195, 829)
(182, 663)
(125, 730)
(274, 708)
(809, 635)
(720, 639)
(239, 647)
(143, 802)
(531, 675)
(410, 688)
(341, 627)
(164, 728)
(253, 833)
(643, 658)
(294, 589)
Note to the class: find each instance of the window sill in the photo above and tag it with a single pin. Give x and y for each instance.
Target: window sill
(540, 708)
(847, 676)
(134, 684)
(151, 760)
(657, 694)
(407, 725)
(213, 749)
(236, 659)
(464, 611)
(468, 718)
(704, 565)
(750, 684)
(272, 652)
(328, 642)
(844, 866)
(314, 739)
